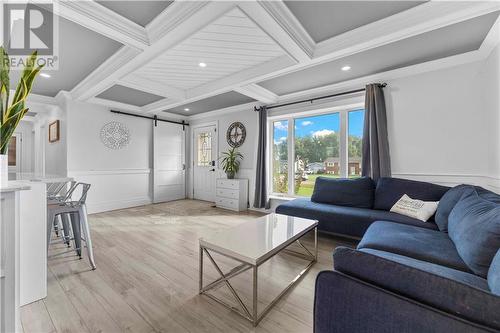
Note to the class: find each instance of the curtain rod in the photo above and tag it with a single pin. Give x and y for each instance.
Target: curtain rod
(316, 98)
(155, 118)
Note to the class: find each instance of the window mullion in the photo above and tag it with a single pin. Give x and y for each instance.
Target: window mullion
(291, 156)
(343, 145)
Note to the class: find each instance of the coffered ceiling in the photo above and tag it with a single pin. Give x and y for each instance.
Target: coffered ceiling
(190, 57)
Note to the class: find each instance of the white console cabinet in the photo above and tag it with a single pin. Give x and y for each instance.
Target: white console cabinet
(232, 194)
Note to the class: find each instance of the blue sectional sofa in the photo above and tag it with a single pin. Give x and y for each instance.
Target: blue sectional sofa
(349, 206)
(405, 275)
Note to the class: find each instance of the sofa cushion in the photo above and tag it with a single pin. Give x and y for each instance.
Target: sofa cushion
(474, 227)
(418, 243)
(450, 199)
(494, 274)
(348, 221)
(390, 190)
(344, 192)
(447, 202)
(449, 290)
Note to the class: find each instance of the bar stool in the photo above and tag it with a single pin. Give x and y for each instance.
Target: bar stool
(57, 195)
(77, 212)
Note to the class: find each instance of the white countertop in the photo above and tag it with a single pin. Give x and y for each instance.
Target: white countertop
(44, 178)
(13, 187)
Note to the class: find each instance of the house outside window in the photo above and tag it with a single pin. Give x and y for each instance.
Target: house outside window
(319, 144)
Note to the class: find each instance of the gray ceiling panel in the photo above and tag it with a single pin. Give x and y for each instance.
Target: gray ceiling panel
(455, 39)
(80, 52)
(212, 103)
(128, 95)
(326, 19)
(140, 12)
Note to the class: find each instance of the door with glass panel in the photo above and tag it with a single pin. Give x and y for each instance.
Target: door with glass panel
(204, 162)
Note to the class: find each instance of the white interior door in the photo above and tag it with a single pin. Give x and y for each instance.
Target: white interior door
(169, 177)
(204, 161)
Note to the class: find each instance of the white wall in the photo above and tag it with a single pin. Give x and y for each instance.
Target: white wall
(119, 178)
(437, 125)
(25, 128)
(249, 118)
(490, 97)
(55, 152)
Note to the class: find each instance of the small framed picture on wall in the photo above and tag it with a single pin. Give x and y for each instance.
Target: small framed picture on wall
(54, 131)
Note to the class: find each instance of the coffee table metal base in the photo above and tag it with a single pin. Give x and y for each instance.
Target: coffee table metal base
(252, 314)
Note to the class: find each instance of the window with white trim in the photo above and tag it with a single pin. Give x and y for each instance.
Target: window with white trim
(318, 144)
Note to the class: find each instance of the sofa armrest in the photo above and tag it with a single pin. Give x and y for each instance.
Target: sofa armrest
(345, 304)
(458, 293)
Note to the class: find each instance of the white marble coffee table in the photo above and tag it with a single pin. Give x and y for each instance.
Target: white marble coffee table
(252, 243)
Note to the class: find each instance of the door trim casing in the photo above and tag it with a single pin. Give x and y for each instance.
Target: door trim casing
(191, 153)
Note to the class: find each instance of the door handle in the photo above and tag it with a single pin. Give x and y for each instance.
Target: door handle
(212, 170)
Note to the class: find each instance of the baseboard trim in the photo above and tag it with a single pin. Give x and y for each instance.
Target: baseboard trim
(117, 204)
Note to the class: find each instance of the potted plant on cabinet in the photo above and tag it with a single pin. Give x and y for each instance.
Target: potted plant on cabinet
(230, 162)
(13, 108)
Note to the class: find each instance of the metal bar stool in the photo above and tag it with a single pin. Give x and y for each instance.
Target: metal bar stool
(77, 211)
(55, 194)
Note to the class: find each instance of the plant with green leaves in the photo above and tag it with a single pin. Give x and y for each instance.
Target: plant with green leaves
(230, 162)
(13, 110)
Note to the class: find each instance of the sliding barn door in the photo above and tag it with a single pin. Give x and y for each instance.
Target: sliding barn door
(169, 176)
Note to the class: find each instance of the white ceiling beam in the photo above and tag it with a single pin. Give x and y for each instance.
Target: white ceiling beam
(277, 21)
(426, 17)
(104, 21)
(116, 105)
(138, 82)
(258, 93)
(223, 85)
(121, 65)
(86, 88)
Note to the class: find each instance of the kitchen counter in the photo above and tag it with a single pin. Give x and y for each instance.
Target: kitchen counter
(43, 178)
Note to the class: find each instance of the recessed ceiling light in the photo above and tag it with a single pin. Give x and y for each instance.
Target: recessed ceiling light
(45, 75)
(202, 64)
(346, 68)
(186, 109)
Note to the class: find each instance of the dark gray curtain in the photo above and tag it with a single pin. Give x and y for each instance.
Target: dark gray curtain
(376, 160)
(260, 199)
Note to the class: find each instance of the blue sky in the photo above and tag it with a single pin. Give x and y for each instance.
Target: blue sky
(320, 125)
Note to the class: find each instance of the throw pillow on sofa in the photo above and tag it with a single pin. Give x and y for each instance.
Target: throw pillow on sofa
(474, 228)
(390, 190)
(418, 209)
(447, 202)
(344, 192)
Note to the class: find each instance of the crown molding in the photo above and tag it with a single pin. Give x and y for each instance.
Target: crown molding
(491, 40)
(258, 93)
(99, 79)
(171, 17)
(278, 22)
(116, 105)
(232, 109)
(100, 19)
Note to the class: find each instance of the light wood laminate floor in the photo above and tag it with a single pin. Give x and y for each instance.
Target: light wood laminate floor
(147, 278)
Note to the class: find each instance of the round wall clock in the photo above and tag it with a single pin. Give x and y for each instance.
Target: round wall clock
(236, 134)
(115, 135)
